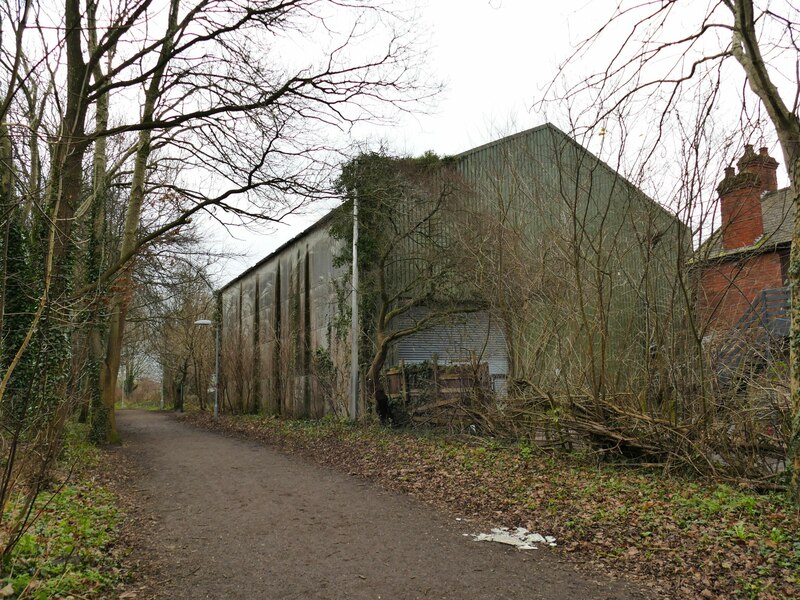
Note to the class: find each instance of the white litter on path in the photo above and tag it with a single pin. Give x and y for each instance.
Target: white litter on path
(520, 537)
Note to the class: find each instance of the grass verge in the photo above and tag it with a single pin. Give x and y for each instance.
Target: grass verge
(695, 538)
(69, 550)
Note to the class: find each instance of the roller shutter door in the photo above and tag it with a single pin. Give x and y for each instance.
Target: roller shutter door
(456, 341)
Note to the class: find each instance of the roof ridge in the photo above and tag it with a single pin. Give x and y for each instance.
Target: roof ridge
(506, 138)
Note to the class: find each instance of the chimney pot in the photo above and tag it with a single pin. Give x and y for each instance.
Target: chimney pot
(762, 165)
(729, 172)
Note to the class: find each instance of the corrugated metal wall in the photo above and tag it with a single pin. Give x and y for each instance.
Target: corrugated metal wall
(609, 259)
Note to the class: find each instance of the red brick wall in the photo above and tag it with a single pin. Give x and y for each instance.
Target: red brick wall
(742, 222)
(767, 175)
(727, 289)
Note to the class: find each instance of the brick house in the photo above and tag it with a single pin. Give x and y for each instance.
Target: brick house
(743, 268)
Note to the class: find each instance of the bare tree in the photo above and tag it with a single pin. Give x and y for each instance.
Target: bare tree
(213, 100)
(226, 130)
(186, 351)
(657, 61)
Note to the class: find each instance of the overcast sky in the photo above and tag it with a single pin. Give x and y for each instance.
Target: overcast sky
(495, 57)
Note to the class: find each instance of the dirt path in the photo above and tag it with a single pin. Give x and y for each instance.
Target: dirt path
(227, 519)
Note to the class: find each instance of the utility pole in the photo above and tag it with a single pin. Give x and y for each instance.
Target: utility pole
(216, 372)
(354, 316)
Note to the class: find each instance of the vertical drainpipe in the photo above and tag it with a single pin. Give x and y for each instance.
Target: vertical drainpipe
(217, 335)
(307, 360)
(277, 400)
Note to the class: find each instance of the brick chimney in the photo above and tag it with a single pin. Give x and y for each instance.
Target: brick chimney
(740, 197)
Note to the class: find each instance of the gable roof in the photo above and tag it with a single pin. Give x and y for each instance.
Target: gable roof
(777, 211)
(585, 153)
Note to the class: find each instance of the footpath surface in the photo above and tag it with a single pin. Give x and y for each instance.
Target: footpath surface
(225, 518)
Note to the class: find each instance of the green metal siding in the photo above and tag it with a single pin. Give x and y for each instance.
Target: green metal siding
(575, 210)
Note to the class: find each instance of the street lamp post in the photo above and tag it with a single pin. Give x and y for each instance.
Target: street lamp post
(208, 322)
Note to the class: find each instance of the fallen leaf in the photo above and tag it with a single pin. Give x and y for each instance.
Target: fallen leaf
(7, 591)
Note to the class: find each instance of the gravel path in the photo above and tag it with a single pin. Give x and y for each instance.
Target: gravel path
(226, 519)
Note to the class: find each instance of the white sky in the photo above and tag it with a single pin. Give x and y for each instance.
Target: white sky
(495, 57)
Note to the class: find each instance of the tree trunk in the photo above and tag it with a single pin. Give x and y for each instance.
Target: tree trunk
(109, 370)
(91, 401)
(6, 209)
(747, 51)
(794, 344)
(373, 380)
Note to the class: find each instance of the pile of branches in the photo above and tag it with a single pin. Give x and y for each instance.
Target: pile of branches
(735, 437)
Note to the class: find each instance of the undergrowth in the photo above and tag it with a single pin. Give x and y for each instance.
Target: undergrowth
(69, 549)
